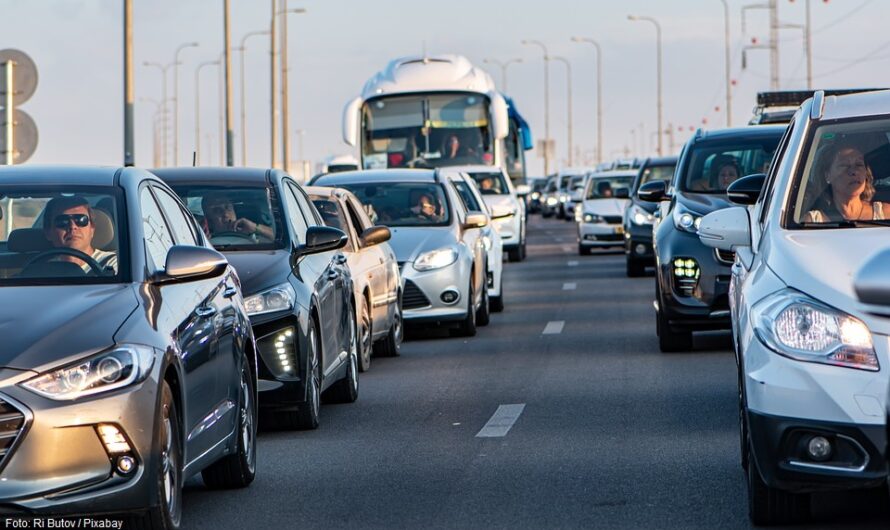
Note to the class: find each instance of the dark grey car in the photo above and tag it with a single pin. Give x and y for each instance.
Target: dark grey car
(127, 362)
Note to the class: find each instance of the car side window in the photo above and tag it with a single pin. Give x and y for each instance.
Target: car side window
(466, 196)
(295, 215)
(359, 221)
(767, 194)
(182, 227)
(305, 205)
(158, 239)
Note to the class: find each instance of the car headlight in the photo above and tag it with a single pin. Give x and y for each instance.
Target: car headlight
(536, 195)
(435, 259)
(641, 217)
(563, 198)
(278, 298)
(797, 326)
(685, 220)
(592, 218)
(112, 369)
(551, 201)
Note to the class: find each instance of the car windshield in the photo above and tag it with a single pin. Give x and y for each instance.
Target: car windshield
(653, 173)
(330, 212)
(715, 165)
(576, 183)
(61, 236)
(844, 182)
(426, 130)
(607, 187)
(235, 218)
(491, 183)
(403, 203)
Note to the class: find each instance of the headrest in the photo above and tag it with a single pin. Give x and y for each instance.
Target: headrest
(27, 240)
(103, 238)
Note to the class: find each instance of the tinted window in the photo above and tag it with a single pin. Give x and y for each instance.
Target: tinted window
(491, 183)
(403, 203)
(330, 213)
(606, 187)
(295, 216)
(179, 223)
(469, 200)
(158, 238)
(653, 173)
(714, 166)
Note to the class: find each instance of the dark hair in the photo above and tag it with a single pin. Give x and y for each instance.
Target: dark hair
(825, 159)
(60, 204)
(721, 161)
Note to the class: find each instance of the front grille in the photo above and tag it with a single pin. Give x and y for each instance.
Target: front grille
(725, 256)
(604, 237)
(413, 297)
(613, 219)
(12, 423)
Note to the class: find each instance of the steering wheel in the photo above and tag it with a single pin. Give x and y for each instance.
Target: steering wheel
(46, 255)
(232, 238)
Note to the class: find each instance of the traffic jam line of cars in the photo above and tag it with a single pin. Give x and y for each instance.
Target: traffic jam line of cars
(192, 305)
(777, 233)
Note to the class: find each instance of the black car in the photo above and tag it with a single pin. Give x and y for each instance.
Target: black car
(692, 280)
(639, 215)
(297, 286)
(128, 363)
(535, 199)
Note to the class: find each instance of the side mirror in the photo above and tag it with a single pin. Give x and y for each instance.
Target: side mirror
(523, 189)
(872, 283)
(475, 220)
(501, 211)
(746, 190)
(654, 191)
(622, 193)
(726, 229)
(322, 239)
(500, 115)
(351, 120)
(188, 263)
(375, 235)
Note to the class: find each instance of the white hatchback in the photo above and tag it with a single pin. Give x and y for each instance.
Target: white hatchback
(812, 347)
(507, 210)
(600, 211)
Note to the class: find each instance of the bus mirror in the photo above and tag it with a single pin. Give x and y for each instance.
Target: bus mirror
(350, 121)
(500, 116)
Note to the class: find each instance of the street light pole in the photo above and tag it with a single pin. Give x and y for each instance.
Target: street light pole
(242, 49)
(285, 113)
(727, 65)
(599, 95)
(129, 87)
(546, 101)
(503, 66)
(227, 50)
(176, 99)
(163, 69)
(273, 83)
(565, 61)
(198, 108)
(659, 75)
(809, 46)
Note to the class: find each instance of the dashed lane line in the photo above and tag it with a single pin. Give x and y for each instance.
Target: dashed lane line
(573, 263)
(501, 421)
(570, 286)
(554, 327)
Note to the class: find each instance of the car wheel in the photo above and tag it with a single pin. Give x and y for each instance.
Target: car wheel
(168, 513)
(669, 341)
(497, 302)
(238, 470)
(346, 390)
(306, 417)
(635, 268)
(391, 345)
(583, 250)
(483, 314)
(523, 250)
(467, 326)
(771, 506)
(365, 339)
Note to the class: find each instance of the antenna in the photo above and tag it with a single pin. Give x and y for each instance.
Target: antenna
(425, 58)
(194, 158)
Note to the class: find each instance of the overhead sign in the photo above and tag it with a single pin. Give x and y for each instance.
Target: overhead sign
(25, 136)
(25, 76)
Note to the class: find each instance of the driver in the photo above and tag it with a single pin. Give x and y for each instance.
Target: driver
(68, 223)
(219, 212)
(426, 208)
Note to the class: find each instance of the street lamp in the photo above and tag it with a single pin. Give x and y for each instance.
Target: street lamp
(565, 61)
(242, 49)
(546, 101)
(599, 95)
(163, 69)
(503, 65)
(285, 119)
(176, 99)
(658, 49)
(727, 65)
(198, 107)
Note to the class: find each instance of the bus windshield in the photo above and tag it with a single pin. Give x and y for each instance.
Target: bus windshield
(426, 130)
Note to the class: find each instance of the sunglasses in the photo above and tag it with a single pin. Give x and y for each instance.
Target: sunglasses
(62, 221)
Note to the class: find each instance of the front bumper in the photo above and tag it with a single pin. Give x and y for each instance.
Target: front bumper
(638, 242)
(600, 234)
(59, 465)
(422, 293)
(278, 387)
(510, 230)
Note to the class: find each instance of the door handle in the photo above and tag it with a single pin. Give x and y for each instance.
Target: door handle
(205, 311)
(340, 259)
(229, 292)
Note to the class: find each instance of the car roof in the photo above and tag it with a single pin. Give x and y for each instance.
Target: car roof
(479, 168)
(377, 175)
(856, 105)
(616, 173)
(661, 161)
(41, 175)
(214, 175)
(750, 131)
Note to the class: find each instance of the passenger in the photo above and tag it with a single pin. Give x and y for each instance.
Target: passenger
(724, 171)
(604, 190)
(452, 146)
(487, 185)
(68, 223)
(219, 214)
(842, 184)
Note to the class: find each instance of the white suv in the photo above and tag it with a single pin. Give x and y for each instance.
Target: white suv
(813, 356)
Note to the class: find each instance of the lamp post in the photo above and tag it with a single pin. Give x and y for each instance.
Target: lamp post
(198, 107)
(599, 95)
(176, 98)
(503, 66)
(241, 50)
(163, 69)
(727, 64)
(129, 87)
(273, 84)
(546, 101)
(285, 118)
(658, 49)
(227, 53)
(565, 61)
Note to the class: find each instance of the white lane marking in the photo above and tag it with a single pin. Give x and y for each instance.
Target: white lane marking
(501, 421)
(557, 239)
(571, 286)
(573, 263)
(567, 248)
(554, 327)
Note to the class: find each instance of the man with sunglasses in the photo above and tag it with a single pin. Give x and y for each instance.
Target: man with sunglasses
(68, 222)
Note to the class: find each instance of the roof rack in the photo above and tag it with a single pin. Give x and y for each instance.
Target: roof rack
(793, 98)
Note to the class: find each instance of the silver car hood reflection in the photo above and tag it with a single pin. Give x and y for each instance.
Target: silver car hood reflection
(410, 242)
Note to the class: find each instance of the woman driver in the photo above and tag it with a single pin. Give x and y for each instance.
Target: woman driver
(845, 185)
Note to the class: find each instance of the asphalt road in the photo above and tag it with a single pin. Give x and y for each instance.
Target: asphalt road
(613, 433)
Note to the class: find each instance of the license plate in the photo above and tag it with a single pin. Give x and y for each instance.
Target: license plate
(619, 229)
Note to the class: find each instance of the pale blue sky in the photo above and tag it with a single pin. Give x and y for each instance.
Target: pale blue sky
(340, 43)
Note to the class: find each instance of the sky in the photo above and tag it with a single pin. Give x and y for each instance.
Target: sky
(337, 45)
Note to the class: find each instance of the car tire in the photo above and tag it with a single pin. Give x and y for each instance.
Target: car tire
(497, 302)
(483, 314)
(523, 249)
(514, 254)
(167, 515)
(583, 250)
(635, 268)
(365, 342)
(467, 327)
(391, 345)
(346, 389)
(670, 341)
(771, 506)
(239, 469)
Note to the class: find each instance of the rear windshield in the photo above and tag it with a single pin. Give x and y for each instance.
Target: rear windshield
(403, 203)
(714, 166)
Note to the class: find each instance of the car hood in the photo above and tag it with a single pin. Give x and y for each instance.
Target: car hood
(499, 201)
(259, 270)
(704, 203)
(46, 325)
(824, 263)
(409, 242)
(605, 206)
